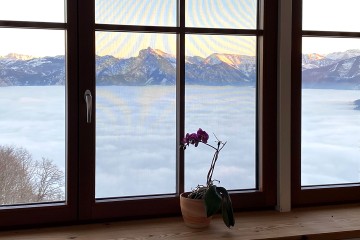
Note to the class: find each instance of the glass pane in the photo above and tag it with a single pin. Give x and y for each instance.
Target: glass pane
(33, 10)
(331, 15)
(135, 114)
(221, 99)
(136, 12)
(330, 111)
(240, 14)
(32, 116)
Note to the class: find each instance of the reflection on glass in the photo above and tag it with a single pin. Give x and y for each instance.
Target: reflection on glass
(331, 15)
(32, 116)
(136, 12)
(34, 10)
(221, 99)
(240, 14)
(135, 114)
(330, 131)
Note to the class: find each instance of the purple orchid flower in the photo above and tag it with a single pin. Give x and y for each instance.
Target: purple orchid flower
(202, 135)
(195, 138)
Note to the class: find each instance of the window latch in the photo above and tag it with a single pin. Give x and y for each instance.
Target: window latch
(88, 100)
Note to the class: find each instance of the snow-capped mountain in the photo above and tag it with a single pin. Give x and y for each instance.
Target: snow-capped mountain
(337, 56)
(150, 67)
(20, 71)
(155, 67)
(315, 60)
(16, 56)
(344, 74)
(333, 70)
(243, 63)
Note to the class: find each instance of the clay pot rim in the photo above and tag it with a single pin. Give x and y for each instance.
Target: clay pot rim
(185, 194)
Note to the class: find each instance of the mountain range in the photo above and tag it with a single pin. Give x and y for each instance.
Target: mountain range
(155, 67)
(339, 70)
(22, 70)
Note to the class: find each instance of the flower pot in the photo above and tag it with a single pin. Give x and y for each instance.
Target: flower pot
(193, 212)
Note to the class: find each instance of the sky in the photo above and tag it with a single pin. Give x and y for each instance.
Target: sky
(125, 45)
(330, 15)
(214, 13)
(44, 43)
(318, 15)
(32, 42)
(34, 10)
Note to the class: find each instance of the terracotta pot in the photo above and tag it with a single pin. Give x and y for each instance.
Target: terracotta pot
(193, 212)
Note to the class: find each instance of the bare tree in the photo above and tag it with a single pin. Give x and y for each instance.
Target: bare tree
(23, 180)
(48, 181)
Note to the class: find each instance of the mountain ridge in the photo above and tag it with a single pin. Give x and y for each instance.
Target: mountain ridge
(156, 67)
(150, 67)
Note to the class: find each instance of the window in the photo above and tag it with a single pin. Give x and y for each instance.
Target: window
(157, 79)
(135, 111)
(326, 96)
(152, 70)
(37, 154)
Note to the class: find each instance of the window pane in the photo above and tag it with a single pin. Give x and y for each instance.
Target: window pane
(136, 12)
(221, 99)
(331, 15)
(32, 10)
(32, 116)
(239, 14)
(330, 111)
(135, 114)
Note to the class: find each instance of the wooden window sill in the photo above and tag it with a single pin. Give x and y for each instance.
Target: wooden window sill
(326, 222)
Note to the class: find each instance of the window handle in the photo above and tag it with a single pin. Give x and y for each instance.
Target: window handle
(88, 100)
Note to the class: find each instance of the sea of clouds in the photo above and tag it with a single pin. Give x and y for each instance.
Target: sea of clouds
(136, 138)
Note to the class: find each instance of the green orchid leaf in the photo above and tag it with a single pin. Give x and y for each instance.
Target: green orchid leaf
(212, 201)
(226, 207)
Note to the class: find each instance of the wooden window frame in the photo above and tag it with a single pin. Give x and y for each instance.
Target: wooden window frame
(56, 212)
(165, 205)
(81, 205)
(310, 195)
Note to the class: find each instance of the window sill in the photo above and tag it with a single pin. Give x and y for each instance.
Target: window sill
(327, 222)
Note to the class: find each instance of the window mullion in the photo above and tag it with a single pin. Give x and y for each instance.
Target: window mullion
(180, 95)
(284, 107)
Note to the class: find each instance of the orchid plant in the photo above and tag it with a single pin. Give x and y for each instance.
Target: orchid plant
(216, 198)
